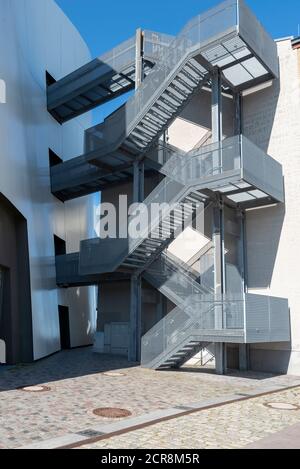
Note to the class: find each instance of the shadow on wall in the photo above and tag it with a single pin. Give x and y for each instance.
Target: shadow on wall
(274, 359)
(259, 110)
(264, 229)
(263, 226)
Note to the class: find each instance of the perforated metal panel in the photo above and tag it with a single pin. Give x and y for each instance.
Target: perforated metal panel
(267, 319)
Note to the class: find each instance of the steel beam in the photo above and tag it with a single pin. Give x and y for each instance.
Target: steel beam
(138, 58)
(218, 231)
(134, 349)
(243, 357)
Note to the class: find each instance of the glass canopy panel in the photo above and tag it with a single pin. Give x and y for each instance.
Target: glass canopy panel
(243, 197)
(228, 52)
(258, 194)
(237, 75)
(242, 185)
(229, 188)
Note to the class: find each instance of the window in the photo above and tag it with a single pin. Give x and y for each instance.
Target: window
(54, 159)
(1, 290)
(59, 246)
(49, 79)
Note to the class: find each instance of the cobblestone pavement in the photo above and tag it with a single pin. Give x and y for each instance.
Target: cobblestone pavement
(232, 426)
(79, 385)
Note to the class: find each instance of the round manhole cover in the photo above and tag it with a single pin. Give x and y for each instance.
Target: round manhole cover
(111, 412)
(282, 406)
(36, 388)
(113, 374)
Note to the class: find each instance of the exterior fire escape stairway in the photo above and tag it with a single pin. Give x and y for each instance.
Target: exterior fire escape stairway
(227, 40)
(184, 287)
(134, 130)
(192, 180)
(104, 78)
(221, 39)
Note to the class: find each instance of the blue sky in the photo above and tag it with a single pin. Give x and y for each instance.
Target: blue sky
(104, 24)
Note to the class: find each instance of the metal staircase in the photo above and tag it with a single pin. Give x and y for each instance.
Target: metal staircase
(130, 132)
(177, 281)
(226, 46)
(104, 78)
(178, 336)
(228, 167)
(221, 39)
(182, 285)
(138, 251)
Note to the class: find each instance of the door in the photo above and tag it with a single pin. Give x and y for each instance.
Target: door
(64, 326)
(2, 343)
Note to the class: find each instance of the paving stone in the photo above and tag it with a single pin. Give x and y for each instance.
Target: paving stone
(235, 425)
(78, 385)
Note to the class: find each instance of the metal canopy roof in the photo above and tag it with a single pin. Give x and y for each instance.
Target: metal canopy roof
(103, 79)
(228, 37)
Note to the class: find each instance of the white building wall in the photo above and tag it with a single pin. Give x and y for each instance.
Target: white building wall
(271, 119)
(36, 36)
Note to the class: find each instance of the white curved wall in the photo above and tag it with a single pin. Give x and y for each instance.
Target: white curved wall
(271, 120)
(36, 36)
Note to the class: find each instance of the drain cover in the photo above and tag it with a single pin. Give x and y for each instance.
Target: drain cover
(113, 374)
(35, 388)
(282, 406)
(111, 412)
(90, 433)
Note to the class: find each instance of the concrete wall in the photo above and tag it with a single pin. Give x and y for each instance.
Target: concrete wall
(271, 120)
(36, 36)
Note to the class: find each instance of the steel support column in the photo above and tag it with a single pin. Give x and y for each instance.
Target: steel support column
(218, 231)
(134, 349)
(238, 121)
(138, 58)
(238, 128)
(243, 357)
(136, 280)
(161, 307)
(216, 107)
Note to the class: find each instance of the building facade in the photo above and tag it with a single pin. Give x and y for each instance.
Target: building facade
(36, 39)
(210, 134)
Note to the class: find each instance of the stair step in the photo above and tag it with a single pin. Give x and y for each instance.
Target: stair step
(183, 81)
(151, 126)
(146, 130)
(170, 99)
(165, 107)
(135, 143)
(181, 87)
(145, 250)
(125, 264)
(133, 260)
(151, 121)
(158, 114)
(199, 197)
(175, 93)
(152, 242)
(195, 65)
(144, 139)
(164, 114)
(156, 118)
(181, 92)
(169, 102)
(191, 71)
(184, 75)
